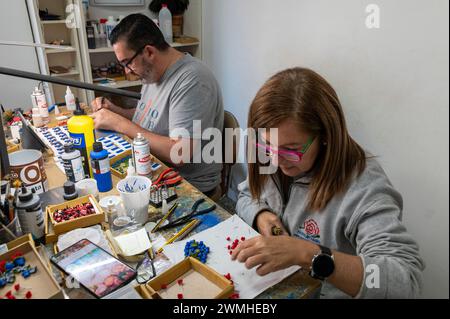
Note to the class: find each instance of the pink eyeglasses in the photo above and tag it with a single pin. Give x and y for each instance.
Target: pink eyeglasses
(289, 155)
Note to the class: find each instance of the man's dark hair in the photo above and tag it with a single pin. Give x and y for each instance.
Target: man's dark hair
(137, 30)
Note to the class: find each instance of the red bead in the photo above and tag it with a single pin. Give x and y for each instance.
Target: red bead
(28, 295)
(242, 238)
(228, 238)
(180, 282)
(180, 296)
(231, 252)
(10, 297)
(163, 286)
(17, 287)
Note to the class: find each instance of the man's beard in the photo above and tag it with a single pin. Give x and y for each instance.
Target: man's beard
(148, 76)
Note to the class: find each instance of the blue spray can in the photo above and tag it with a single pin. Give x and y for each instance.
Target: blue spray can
(100, 167)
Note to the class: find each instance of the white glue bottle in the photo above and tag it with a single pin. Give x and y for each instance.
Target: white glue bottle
(70, 100)
(38, 100)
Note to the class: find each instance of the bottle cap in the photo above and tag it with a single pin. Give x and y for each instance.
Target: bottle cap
(68, 147)
(78, 110)
(24, 195)
(69, 190)
(98, 147)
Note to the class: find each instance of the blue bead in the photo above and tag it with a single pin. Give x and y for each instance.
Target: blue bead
(25, 274)
(19, 261)
(9, 266)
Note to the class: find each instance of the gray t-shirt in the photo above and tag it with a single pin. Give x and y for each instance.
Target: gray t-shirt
(187, 92)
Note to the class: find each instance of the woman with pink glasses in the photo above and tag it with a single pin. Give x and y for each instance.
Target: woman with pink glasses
(335, 211)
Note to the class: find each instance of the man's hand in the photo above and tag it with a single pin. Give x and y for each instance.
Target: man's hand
(105, 119)
(266, 220)
(274, 253)
(101, 103)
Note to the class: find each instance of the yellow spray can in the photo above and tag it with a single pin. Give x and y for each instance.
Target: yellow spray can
(81, 130)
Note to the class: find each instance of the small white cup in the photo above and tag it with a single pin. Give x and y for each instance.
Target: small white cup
(87, 186)
(135, 194)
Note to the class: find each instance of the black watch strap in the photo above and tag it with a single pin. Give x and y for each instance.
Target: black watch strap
(325, 250)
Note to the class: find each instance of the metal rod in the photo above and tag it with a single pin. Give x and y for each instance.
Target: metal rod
(73, 83)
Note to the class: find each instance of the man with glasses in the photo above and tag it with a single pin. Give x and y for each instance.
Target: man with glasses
(177, 89)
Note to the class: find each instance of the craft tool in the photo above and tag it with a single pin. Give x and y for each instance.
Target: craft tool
(168, 177)
(193, 213)
(165, 217)
(181, 234)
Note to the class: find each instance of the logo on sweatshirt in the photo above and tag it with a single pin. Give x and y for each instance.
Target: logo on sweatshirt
(309, 231)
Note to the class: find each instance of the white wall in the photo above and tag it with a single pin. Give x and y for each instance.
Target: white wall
(393, 84)
(15, 92)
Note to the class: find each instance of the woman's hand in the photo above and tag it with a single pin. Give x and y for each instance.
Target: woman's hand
(266, 220)
(274, 253)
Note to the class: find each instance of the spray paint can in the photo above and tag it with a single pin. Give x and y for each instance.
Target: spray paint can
(100, 168)
(39, 101)
(73, 164)
(29, 211)
(81, 130)
(141, 156)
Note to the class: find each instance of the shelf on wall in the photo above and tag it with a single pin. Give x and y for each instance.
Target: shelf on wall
(71, 73)
(53, 51)
(53, 21)
(174, 45)
(123, 84)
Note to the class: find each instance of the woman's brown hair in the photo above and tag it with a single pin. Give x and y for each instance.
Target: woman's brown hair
(304, 96)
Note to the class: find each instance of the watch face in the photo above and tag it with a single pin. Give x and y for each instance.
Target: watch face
(323, 265)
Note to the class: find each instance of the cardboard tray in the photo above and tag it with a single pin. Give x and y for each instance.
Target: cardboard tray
(65, 226)
(199, 282)
(43, 285)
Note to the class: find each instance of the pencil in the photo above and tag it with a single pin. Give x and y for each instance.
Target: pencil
(167, 215)
(186, 229)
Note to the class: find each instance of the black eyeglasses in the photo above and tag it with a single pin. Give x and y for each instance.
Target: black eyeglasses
(126, 64)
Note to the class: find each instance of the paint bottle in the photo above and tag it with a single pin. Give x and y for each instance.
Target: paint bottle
(141, 156)
(81, 130)
(100, 168)
(73, 163)
(29, 211)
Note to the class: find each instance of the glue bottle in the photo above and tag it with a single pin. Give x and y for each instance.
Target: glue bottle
(39, 101)
(100, 168)
(81, 130)
(70, 100)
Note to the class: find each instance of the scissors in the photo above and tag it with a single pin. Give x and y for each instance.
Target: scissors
(193, 213)
(169, 177)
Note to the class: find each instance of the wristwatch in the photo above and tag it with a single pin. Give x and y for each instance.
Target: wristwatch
(322, 265)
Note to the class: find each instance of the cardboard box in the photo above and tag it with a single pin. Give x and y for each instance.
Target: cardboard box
(116, 159)
(43, 285)
(199, 281)
(85, 221)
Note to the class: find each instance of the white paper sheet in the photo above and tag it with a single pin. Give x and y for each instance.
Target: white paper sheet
(246, 281)
(133, 243)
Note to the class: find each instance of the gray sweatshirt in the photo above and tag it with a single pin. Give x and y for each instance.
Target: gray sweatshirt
(364, 221)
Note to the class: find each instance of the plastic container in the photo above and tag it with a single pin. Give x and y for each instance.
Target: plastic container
(73, 164)
(101, 168)
(86, 187)
(165, 23)
(110, 25)
(81, 130)
(14, 228)
(70, 100)
(29, 211)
